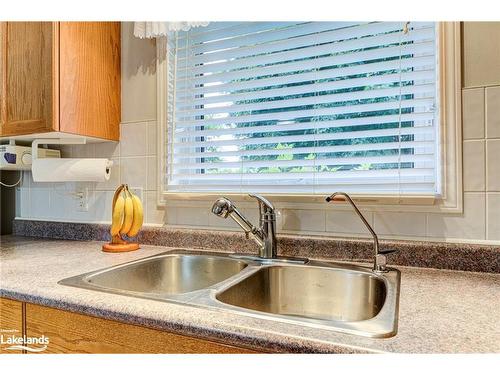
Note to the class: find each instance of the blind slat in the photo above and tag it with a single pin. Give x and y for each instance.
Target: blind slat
(306, 162)
(311, 100)
(330, 111)
(306, 41)
(318, 63)
(313, 137)
(420, 117)
(190, 100)
(407, 63)
(180, 153)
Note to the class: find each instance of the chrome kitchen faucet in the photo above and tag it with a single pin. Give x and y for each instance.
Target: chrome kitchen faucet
(265, 235)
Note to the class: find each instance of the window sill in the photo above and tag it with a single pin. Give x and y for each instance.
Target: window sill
(308, 202)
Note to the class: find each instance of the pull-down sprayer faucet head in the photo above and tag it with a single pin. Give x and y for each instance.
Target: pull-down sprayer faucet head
(264, 235)
(222, 207)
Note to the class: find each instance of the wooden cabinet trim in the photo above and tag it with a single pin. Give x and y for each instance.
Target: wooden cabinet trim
(3, 75)
(55, 77)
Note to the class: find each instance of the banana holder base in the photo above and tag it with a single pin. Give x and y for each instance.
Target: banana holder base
(120, 247)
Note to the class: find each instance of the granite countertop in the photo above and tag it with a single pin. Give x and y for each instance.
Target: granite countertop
(441, 311)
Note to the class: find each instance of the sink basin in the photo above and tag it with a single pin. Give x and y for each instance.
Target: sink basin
(341, 297)
(167, 274)
(309, 292)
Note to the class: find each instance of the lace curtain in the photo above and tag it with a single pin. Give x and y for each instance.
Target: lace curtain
(158, 29)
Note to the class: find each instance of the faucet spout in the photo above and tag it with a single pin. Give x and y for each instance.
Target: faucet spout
(379, 263)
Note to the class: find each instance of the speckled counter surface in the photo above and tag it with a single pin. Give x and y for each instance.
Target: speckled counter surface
(440, 311)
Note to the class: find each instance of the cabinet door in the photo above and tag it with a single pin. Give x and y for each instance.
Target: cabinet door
(75, 333)
(26, 81)
(11, 324)
(90, 101)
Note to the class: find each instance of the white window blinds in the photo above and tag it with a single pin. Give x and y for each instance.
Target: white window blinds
(304, 108)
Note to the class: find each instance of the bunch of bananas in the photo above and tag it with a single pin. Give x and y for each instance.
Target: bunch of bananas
(127, 216)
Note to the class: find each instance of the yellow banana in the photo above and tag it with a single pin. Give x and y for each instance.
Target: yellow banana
(138, 216)
(128, 215)
(117, 219)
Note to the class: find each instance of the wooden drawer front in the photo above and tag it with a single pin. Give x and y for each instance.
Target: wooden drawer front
(75, 333)
(11, 323)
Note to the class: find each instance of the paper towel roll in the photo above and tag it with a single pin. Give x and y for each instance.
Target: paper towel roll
(59, 170)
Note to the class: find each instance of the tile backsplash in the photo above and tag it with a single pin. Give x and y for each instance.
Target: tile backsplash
(135, 160)
(134, 163)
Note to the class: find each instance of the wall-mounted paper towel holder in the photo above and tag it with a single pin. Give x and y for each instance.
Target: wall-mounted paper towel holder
(67, 169)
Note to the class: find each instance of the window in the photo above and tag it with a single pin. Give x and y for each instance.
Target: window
(304, 108)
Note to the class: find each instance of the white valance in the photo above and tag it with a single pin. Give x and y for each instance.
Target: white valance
(158, 29)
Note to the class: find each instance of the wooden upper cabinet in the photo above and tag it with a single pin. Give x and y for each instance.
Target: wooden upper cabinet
(60, 76)
(26, 85)
(89, 73)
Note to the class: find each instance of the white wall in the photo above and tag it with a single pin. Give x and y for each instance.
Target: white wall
(136, 156)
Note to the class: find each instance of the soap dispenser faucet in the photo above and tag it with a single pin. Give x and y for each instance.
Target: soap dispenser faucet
(380, 261)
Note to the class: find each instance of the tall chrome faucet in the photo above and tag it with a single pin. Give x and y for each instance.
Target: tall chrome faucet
(265, 235)
(380, 261)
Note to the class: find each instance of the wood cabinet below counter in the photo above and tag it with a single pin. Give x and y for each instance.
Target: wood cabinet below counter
(69, 332)
(11, 324)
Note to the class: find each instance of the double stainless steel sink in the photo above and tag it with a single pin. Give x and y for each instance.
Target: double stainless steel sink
(336, 296)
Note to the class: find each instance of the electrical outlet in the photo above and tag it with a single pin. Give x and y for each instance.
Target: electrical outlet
(139, 191)
(82, 200)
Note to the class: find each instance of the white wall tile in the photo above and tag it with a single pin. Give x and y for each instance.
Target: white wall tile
(480, 57)
(24, 202)
(474, 169)
(192, 216)
(154, 214)
(170, 215)
(400, 223)
(152, 168)
(103, 201)
(107, 150)
(304, 220)
(60, 203)
(346, 222)
(40, 203)
(152, 137)
(469, 225)
(493, 112)
(493, 165)
(133, 171)
(138, 76)
(473, 113)
(83, 151)
(133, 139)
(493, 216)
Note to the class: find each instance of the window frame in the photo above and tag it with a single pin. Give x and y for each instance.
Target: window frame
(450, 138)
